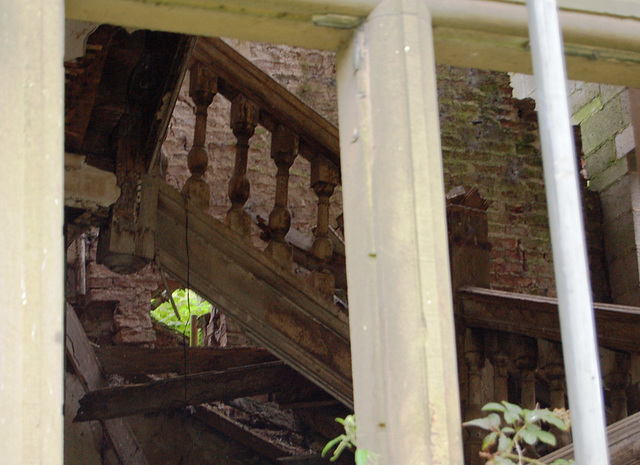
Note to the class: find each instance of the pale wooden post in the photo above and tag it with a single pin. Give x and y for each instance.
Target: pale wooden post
(31, 202)
(400, 305)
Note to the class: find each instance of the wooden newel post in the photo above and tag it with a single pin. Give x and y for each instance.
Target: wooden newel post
(554, 370)
(244, 118)
(203, 86)
(284, 149)
(526, 364)
(617, 382)
(324, 179)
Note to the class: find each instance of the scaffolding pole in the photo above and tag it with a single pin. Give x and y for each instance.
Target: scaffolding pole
(577, 322)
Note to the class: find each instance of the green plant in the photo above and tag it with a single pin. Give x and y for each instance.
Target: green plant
(188, 303)
(520, 426)
(347, 440)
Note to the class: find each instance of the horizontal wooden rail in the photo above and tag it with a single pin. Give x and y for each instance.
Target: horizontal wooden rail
(618, 326)
(277, 104)
(623, 439)
(131, 361)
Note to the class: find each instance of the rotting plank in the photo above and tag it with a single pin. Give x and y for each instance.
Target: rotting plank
(276, 309)
(127, 361)
(182, 391)
(83, 359)
(618, 326)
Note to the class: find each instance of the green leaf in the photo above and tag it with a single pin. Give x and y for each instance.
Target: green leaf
(508, 430)
(361, 456)
(528, 436)
(330, 444)
(489, 440)
(504, 443)
(494, 407)
(513, 413)
(563, 462)
(502, 461)
(547, 437)
(490, 422)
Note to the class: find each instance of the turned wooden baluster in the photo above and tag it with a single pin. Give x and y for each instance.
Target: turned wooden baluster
(526, 364)
(203, 86)
(498, 357)
(554, 370)
(324, 179)
(284, 147)
(474, 358)
(617, 382)
(244, 118)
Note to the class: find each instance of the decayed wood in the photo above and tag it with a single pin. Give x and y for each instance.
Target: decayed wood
(618, 326)
(128, 361)
(183, 391)
(240, 75)
(83, 359)
(275, 308)
(623, 439)
(215, 420)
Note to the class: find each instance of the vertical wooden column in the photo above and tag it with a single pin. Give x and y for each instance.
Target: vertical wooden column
(324, 179)
(284, 146)
(474, 358)
(244, 118)
(31, 199)
(526, 364)
(400, 306)
(554, 370)
(617, 381)
(203, 86)
(499, 358)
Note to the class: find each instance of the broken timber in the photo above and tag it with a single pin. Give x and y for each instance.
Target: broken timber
(618, 325)
(81, 356)
(128, 361)
(182, 391)
(274, 307)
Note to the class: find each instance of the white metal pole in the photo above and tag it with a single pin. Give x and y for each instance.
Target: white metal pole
(577, 321)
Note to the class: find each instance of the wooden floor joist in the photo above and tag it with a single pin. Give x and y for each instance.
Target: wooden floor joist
(131, 361)
(82, 357)
(182, 391)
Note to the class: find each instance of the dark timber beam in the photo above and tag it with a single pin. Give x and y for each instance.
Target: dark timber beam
(182, 391)
(618, 326)
(275, 307)
(81, 356)
(128, 361)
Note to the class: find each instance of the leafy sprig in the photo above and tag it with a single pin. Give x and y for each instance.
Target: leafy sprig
(520, 426)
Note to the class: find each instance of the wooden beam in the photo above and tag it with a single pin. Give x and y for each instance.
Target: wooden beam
(618, 326)
(272, 98)
(182, 391)
(236, 432)
(623, 439)
(601, 38)
(128, 361)
(400, 308)
(276, 309)
(83, 359)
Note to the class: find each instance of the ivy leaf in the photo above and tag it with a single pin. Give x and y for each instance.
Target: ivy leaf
(547, 437)
(489, 440)
(494, 407)
(508, 430)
